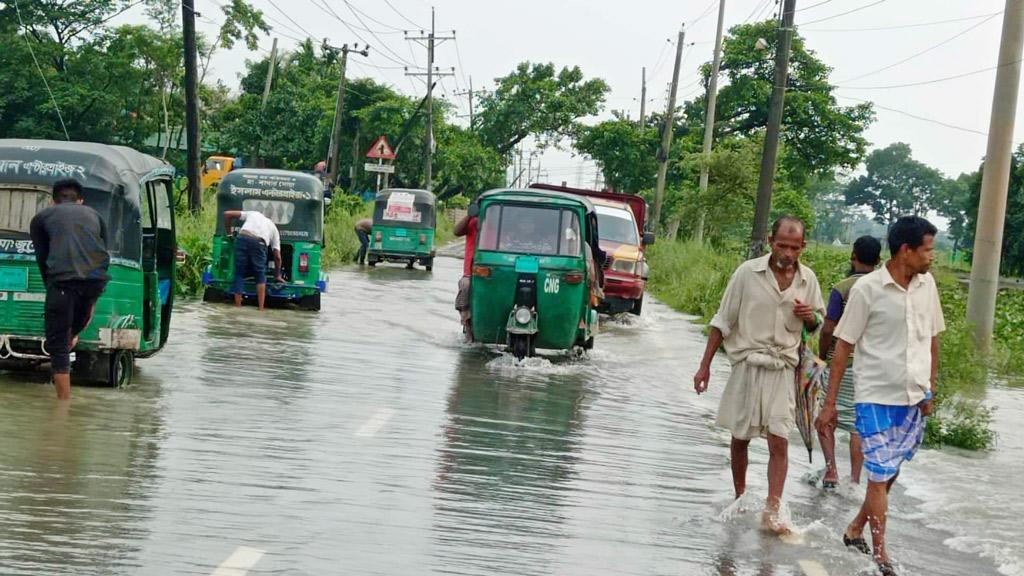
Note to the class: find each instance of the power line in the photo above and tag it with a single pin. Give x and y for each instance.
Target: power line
(822, 3)
(915, 116)
(399, 12)
(386, 47)
(458, 56)
(290, 19)
(704, 14)
(841, 14)
(326, 8)
(400, 61)
(902, 26)
(934, 81)
(394, 29)
(922, 52)
(28, 43)
(758, 9)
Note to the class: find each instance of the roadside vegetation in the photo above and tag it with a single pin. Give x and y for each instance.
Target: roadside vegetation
(691, 279)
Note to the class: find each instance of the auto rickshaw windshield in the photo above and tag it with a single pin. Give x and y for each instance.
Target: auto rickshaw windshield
(541, 230)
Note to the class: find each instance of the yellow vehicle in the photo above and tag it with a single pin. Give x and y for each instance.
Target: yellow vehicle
(216, 167)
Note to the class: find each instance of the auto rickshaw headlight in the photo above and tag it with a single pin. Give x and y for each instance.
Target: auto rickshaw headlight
(523, 315)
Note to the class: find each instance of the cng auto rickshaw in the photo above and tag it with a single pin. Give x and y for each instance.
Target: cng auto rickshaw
(295, 203)
(133, 194)
(536, 271)
(404, 222)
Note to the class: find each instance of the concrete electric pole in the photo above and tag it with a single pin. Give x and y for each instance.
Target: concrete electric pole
(643, 96)
(192, 153)
(334, 152)
(666, 133)
(431, 40)
(769, 156)
(995, 181)
(709, 121)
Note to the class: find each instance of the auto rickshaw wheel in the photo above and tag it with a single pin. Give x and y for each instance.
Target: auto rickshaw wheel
(212, 294)
(428, 263)
(522, 345)
(311, 302)
(122, 368)
(589, 344)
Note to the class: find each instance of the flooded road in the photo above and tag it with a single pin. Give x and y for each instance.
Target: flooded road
(368, 440)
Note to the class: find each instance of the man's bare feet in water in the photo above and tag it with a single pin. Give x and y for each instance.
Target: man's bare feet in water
(770, 522)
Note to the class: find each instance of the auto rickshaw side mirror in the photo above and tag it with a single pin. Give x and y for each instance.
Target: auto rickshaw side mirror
(648, 238)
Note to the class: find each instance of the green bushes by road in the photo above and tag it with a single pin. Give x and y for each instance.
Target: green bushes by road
(691, 278)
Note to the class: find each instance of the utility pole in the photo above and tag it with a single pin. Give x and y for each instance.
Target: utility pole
(529, 169)
(995, 180)
(709, 121)
(643, 96)
(257, 161)
(334, 151)
(666, 133)
(770, 154)
(188, 28)
(472, 118)
(431, 40)
(352, 170)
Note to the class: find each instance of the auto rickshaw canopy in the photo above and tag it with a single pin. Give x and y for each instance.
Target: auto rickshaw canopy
(294, 201)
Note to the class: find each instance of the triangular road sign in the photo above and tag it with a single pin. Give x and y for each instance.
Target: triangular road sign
(381, 149)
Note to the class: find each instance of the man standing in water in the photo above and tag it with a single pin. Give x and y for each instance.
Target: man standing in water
(257, 235)
(363, 229)
(70, 241)
(468, 227)
(767, 305)
(893, 317)
(867, 252)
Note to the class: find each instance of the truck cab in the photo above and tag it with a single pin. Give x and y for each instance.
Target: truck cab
(216, 167)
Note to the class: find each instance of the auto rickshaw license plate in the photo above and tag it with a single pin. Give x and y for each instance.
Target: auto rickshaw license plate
(400, 232)
(14, 279)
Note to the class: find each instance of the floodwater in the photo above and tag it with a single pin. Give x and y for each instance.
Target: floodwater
(367, 439)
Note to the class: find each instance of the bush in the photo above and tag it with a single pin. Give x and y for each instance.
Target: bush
(692, 278)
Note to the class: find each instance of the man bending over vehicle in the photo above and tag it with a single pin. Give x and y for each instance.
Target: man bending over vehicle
(257, 234)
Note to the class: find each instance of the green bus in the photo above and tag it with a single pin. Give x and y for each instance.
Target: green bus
(133, 193)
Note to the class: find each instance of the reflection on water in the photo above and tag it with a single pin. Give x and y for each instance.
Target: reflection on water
(510, 447)
(75, 479)
(367, 439)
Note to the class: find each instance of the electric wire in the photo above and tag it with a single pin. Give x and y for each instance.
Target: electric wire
(841, 14)
(822, 3)
(914, 116)
(932, 81)
(404, 17)
(28, 43)
(903, 26)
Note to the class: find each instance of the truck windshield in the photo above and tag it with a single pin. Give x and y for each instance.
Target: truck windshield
(617, 225)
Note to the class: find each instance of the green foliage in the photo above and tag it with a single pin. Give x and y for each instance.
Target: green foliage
(820, 135)
(537, 100)
(625, 152)
(895, 184)
(692, 278)
(1013, 235)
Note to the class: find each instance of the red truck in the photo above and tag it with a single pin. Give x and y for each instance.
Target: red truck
(620, 224)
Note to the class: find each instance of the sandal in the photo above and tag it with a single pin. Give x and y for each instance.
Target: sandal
(859, 544)
(886, 569)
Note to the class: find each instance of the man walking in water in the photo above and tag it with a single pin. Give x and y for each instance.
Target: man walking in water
(257, 235)
(893, 317)
(867, 252)
(767, 306)
(70, 241)
(468, 227)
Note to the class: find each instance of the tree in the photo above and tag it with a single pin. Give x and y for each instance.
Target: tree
(820, 135)
(537, 100)
(625, 152)
(895, 184)
(953, 202)
(1013, 235)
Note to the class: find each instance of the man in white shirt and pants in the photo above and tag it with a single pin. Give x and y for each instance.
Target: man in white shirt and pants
(258, 233)
(767, 306)
(893, 317)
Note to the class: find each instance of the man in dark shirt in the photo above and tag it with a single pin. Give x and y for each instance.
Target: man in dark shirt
(71, 249)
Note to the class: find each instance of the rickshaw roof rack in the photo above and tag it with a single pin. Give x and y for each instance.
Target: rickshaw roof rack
(104, 167)
(422, 196)
(535, 194)
(268, 178)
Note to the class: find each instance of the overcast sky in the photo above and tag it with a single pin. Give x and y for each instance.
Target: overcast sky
(612, 39)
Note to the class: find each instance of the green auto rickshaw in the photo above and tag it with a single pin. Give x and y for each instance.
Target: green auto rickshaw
(404, 223)
(295, 203)
(536, 271)
(133, 193)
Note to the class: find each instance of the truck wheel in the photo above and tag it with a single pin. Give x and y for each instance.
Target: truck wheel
(638, 306)
(122, 368)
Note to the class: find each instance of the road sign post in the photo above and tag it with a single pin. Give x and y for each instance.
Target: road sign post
(381, 150)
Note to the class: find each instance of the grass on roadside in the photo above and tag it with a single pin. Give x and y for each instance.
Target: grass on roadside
(691, 278)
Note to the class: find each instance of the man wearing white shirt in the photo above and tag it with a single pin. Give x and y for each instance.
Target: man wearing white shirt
(893, 317)
(258, 233)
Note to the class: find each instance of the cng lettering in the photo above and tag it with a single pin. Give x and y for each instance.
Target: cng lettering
(552, 285)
